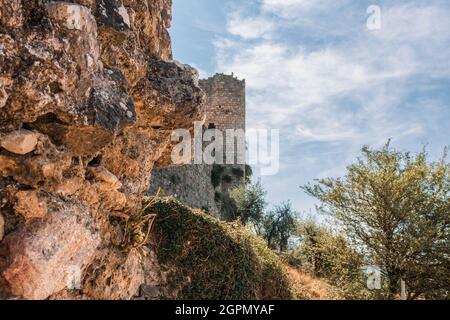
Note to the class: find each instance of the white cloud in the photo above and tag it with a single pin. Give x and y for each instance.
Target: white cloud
(294, 8)
(290, 83)
(353, 87)
(305, 78)
(249, 27)
(409, 22)
(291, 88)
(284, 5)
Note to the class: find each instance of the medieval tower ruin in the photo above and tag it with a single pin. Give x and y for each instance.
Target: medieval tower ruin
(226, 102)
(206, 186)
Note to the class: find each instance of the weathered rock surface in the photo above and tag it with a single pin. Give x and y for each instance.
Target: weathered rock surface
(19, 142)
(115, 275)
(89, 90)
(2, 227)
(42, 253)
(30, 205)
(102, 174)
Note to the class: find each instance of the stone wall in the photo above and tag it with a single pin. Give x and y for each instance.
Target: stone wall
(191, 184)
(225, 105)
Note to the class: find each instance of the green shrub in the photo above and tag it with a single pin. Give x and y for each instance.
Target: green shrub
(248, 173)
(228, 208)
(216, 175)
(227, 178)
(291, 259)
(250, 202)
(238, 172)
(208, 259)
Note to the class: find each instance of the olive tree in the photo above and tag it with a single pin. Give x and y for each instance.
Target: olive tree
(250, 202)
(278, 226)
(395, 206)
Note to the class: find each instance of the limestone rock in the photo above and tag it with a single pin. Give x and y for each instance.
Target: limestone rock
(11, 14)
(102, 174)
(69, 186)
(108, 197)
(46, 167)
(3, 97)
(44, 252)
(113, 14)
(115, 275)
(176, 86)
(177, 82)
(9, 166)
(30, 205)
(150, 292)
(2, 227)
(56, 68)
(121, 50)
(72, 16)
(94, 80)
(150, 20)
(19, 142)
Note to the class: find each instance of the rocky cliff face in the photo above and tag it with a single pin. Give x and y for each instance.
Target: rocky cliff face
(88, 99)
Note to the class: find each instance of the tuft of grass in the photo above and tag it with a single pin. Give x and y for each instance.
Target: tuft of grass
(207, 259)
(307, 287)
(138, 228)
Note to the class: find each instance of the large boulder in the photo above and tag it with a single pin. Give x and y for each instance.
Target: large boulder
(44, 253)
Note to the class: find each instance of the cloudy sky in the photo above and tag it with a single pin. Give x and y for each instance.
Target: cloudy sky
(315, 71)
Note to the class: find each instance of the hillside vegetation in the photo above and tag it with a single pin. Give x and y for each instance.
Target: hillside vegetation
(204, 258)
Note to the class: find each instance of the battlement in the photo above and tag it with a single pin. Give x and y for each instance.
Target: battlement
(225, 106)
(224, 78)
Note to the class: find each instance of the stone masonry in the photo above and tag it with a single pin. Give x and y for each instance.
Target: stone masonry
(191, 184)
(225, 102)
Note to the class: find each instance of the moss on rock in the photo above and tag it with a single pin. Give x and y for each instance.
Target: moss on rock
(205, 258)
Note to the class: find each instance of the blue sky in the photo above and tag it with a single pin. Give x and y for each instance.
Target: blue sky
(316, 72)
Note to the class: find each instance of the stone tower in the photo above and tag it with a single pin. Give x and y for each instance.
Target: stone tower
(225, 107)
(207, 186)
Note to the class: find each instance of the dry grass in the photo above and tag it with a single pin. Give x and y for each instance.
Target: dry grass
(308, 287)
(139, 227)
